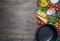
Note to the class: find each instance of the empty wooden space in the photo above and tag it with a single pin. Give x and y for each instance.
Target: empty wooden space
(18, 20)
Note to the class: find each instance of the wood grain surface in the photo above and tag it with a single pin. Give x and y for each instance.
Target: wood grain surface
(18, 20)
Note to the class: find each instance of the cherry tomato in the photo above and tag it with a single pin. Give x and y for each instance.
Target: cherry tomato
(42, 23)
(51, 7)
(56, 5)
(39, 22)
(51, 4)
(59, 25)
(59, 21)
(56, 9)
(58, 30)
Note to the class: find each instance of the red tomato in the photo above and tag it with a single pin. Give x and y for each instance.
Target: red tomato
(58, 30)
(56, 5)
(59, 25)
(42, 23)
(51, 7)
(51, 4)
(56, 9)
(39, 22)
(59, 21)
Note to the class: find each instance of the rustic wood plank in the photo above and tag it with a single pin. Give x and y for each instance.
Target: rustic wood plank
(18, 20)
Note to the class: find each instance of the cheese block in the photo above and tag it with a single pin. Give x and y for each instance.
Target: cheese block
(42, 14)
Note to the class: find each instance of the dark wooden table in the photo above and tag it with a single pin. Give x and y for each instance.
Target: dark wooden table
(18, 20)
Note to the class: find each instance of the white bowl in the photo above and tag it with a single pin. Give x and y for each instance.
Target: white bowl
(54, 1)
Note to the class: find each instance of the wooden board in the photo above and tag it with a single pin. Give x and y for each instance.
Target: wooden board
(18, 20)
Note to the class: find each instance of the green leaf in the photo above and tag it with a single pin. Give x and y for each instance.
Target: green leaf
(50, 19)
(42, 9)
(57, 14)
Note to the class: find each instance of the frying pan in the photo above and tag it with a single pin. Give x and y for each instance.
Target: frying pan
(46, 32)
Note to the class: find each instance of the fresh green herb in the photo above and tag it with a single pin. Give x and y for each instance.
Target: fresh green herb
(50, 19)
(42, 9)
(58, 14)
